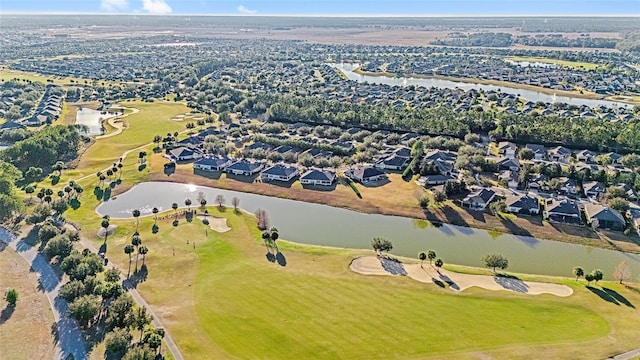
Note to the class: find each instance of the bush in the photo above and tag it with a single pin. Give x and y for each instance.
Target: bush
(439, 196)
(39, 214)
(11, 296)
(424, 202)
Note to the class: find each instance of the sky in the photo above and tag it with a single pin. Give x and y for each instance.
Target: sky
(329, 7)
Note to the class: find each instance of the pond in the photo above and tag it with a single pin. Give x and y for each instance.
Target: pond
(530, 95)
(330, 226)
(92, 119)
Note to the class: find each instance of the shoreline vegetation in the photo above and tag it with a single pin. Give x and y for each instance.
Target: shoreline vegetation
(586, 95)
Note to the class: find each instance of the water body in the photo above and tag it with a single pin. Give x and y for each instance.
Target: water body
(317, 224)
(530, 95)
(92, 119)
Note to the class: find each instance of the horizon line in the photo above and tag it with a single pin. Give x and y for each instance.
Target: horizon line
(19, 13)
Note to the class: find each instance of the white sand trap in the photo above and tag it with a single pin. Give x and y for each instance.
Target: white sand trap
(372, 265)
(110, 230)
(216, 224)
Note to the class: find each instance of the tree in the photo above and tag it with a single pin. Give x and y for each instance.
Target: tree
(495, 261)
(139, 353)
(47, 232)
(136, 241)
(220, 201)
(439, 196)
(58, 246)
(439, 264)
(619, 204)
(424, 202)
(141, 319)
(431, 255)
(143, 250)
(112, 275)
(11, 296)
(422, 256)
(129, 249)
(136, 214)
(203, 202)
(58, 166)
(174, 206)
(153, 338)
(526, 154)
(155, 212)
(120, 312)
(30, 190)
(84, 308)
(263, 220)
(578, 272)
(72, 290)
(105, 226)
(597, 275)
(589, 277)
(622, 272)
(381, 245)
(187, 202)
(235, 202)
(497, 207)
(117, 341)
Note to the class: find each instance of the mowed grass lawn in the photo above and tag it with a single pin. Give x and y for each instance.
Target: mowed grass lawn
(224, 299)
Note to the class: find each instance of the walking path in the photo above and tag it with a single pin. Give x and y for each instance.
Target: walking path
(69, 338)
(629, 355)
(171, 345)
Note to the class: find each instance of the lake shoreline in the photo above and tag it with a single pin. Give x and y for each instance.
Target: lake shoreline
(446, 215)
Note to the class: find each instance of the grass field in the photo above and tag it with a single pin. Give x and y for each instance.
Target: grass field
(25, 329)
(569, 64)
(224, 299)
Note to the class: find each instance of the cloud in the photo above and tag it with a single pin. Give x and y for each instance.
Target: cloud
(156, 6)
(244, 10)
(111, 5)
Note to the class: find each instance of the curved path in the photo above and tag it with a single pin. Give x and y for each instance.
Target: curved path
(171, 345)
(372, 265)
(69, 338)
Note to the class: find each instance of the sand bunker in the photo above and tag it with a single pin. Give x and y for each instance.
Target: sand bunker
(372, 265)
(216, 224)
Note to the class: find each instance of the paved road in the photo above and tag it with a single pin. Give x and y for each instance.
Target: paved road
(630, 355)
(171, 345)
(70, 339)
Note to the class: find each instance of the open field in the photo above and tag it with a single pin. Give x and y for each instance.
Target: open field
(223, 298)
(569, 64)
(25, 329)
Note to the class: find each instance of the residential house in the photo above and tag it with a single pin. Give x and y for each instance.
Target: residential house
(444, 161)
(317, 153)
(522, 204)
(393, 162)
(603, 217)
(594, 189)
(244, 167)
(507, 149)
(279, 172)
(634, 215)
(586, 156)
(568, 186)
(318, 177)
(184, 154)
(563, 211)
(407, 137)
(512, 164)
(538, 150)
(479, 199)
(559, 153)
(212, 163)
(629, 192)
(615, 157)
(365, 174)
(538, 181)
(435, 179)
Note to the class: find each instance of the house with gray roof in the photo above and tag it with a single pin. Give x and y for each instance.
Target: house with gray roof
(365, 174)
(279, 172)
(538, 150)
(594, 189)
(603, 217)
(244, 167)
(479, 199)
(507, 149)
(318, 177)
(563, 211)
(522, 204)
(393, 162)
(559, 153)
(212, 163)
(184, 154)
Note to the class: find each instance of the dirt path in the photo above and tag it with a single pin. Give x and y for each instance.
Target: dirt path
(69, 337)
(372, 265)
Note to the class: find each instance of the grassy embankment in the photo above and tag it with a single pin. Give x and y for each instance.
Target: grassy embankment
(580, 65)
(224, 299)
(25, 330)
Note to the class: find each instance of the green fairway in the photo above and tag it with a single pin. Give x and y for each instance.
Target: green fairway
(224, 299)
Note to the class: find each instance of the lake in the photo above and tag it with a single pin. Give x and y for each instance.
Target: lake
(530, 95)
(92, 119)
(317, 224)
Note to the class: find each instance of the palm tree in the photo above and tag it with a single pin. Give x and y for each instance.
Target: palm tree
(143, 250)
(30, 190)
(439, 264)
(120, 168)
(110, 175)
(136, 241)
(203, 202)
(155, 212)
(274, 236)
(174, 206)
(431, 255)
(422, 256)
(105, 226)
(99, 175)
(136, 214)
(187, 202)
(578, 272)
(128, 249)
